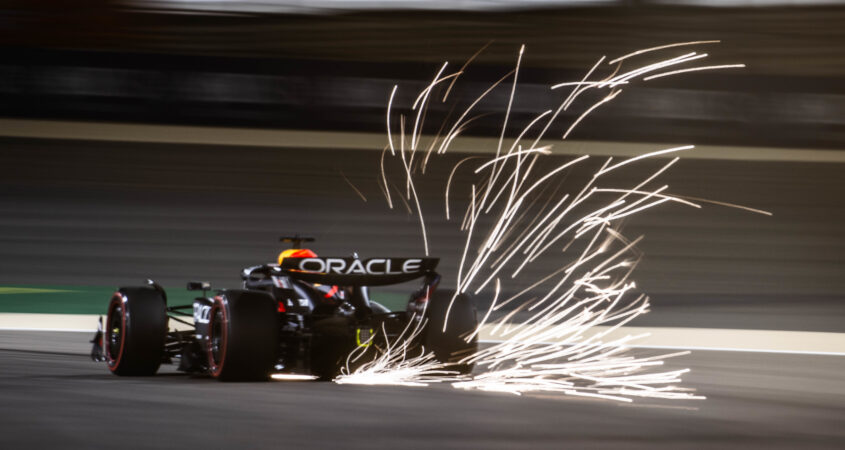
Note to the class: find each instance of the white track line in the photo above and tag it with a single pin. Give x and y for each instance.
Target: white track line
(255, 137)
(57, 322)
(758, 341)
(51, 330)
(715, 349)
(766, 341)
(48, 322)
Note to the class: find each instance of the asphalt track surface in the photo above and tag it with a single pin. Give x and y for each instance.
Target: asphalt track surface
(64, 400)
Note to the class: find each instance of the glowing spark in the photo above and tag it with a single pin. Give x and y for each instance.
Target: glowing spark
(694, 69)
(384, 180)
(661, 47)
(349, 182)
(389, 106)
(615, 81)
(411, 188)
(421, 101)
(542, 150)
(510, 100)
(449, 182)
(674, 198)
(644, 156)
(609, 97)
(466, 64)
(729, 205)
(450, 136)
(568, 101)
(489, 310)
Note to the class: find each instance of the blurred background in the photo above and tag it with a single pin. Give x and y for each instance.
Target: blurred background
(178, 139)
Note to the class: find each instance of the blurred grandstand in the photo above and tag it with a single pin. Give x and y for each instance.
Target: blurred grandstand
(311, 64)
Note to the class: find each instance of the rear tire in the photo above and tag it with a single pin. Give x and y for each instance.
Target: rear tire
(243, 336)
(450, 347)
(135, 332)
(331, 344)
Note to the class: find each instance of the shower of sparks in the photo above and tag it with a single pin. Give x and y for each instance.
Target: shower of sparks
(399, 362)
(546, 341)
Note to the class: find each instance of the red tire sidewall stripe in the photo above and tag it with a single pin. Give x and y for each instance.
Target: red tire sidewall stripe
(113, 362)
(218, 304)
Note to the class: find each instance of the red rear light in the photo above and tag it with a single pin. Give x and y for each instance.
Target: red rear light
(282, 307)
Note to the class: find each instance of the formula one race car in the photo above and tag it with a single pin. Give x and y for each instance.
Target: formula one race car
(303, 315)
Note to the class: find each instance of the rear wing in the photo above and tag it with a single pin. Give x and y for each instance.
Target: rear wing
(358, 272)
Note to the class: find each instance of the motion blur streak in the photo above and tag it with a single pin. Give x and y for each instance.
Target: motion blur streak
(592, 290)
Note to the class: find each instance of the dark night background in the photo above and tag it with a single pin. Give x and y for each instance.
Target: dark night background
(177, 140)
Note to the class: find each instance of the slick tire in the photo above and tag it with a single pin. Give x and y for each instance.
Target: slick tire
(451, 346)
(135, 331)
(331, 345)
(243, 336)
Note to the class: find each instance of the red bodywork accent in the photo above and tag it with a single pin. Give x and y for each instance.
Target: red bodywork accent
(332, 292)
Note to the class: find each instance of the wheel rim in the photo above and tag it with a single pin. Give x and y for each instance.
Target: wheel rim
(216, 338)
(217, 334)
(115, 332)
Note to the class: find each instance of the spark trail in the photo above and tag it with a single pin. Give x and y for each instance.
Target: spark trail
(545, 334)
(398, 363)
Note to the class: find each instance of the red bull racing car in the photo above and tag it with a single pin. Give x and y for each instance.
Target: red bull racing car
(301, 315)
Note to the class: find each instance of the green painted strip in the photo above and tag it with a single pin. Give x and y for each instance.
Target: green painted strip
(391, 300)
(22, 290)
(94, 299)
(70, 299)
